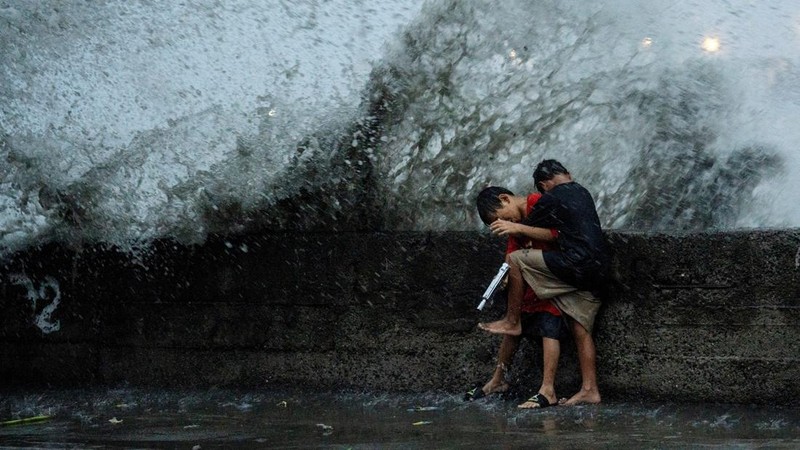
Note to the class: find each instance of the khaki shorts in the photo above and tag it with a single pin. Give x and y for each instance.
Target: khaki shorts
(580, 305)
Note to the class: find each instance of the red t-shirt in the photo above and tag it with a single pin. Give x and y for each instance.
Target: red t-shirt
(530, 302)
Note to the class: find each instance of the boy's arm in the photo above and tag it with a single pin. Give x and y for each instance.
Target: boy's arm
(504, 228)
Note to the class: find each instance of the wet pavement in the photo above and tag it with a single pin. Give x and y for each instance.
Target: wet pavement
(193, 419)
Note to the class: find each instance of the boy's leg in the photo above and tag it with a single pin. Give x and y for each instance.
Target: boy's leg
(508, 347)
(584, 342)
(551, 350)
(510, 324)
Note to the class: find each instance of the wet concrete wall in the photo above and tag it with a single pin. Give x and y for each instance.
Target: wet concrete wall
(701, 317)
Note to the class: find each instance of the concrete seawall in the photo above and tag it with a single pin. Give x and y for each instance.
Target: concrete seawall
(699, 317)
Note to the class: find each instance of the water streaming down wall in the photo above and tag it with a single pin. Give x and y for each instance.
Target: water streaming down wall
(123, 123)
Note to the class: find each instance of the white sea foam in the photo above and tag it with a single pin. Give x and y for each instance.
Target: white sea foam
(124, 122)
(129, 112)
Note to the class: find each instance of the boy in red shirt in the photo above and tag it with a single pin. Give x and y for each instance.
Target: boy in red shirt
(538, 317)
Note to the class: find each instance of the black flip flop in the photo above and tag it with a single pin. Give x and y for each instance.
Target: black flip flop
(475, 393)
(540, 400)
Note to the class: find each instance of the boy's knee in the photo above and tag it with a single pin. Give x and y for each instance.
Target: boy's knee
(512, 259)
(509, 260)
(578, 330)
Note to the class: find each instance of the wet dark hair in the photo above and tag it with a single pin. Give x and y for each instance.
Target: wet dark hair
(546, 170)
(488, 202)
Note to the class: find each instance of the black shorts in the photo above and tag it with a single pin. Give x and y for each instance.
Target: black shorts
(543, 324)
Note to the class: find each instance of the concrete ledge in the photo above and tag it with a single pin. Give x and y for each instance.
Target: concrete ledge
(700, 317)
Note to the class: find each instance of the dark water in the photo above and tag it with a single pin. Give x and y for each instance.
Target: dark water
(130, 418)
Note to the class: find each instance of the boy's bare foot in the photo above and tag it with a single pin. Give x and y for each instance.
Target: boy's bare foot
(583, 397)
(502, 327)
(493, 387)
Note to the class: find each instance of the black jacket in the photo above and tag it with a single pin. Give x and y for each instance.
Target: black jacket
(583, 258)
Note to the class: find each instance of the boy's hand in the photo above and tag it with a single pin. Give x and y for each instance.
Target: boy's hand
(502, 227)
